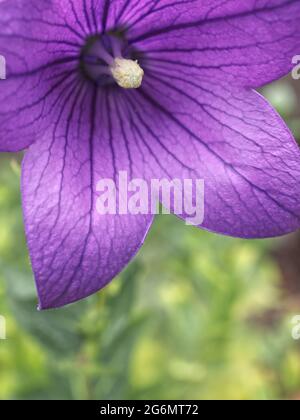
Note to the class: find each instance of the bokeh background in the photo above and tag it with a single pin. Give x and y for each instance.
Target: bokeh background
(194, 316)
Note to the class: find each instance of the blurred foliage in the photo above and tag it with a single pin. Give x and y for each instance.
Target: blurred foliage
(195, 315)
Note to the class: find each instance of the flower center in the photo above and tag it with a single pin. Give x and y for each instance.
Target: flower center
(107, 60)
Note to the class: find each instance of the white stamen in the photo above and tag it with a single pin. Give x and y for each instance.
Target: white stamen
(127, 73)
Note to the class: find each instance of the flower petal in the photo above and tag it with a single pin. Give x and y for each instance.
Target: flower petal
(248, 43)
(74, 250)
(41, 52)
(230, 138)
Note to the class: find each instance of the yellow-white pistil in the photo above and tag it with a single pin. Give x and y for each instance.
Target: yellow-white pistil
(127, 73)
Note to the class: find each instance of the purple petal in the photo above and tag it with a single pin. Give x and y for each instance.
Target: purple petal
(230, 138)
(74, 250)
(41, 53)
(248, 43)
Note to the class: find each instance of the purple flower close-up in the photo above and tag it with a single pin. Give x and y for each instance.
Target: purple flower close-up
(157, 88)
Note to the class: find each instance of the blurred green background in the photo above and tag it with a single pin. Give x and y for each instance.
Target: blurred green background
(195, 316)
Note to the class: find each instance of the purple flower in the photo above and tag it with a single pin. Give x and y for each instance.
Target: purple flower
(72, 98)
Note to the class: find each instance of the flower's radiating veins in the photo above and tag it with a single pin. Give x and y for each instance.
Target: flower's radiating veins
(127, 73)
